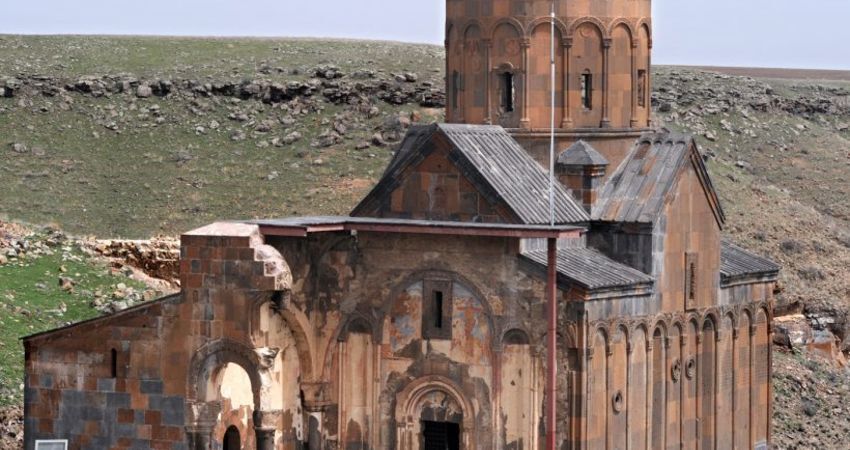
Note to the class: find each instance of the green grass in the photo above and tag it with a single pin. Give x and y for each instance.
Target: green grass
(31, 301)
(126, 181)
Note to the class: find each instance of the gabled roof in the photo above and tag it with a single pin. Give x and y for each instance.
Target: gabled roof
(581, 154)
(641, 186)
(591, 269)
(737, 263)
(493, 162)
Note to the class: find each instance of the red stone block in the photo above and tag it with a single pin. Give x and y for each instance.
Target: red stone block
(126, 416)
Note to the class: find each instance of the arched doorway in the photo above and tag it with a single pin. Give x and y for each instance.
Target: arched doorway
(431, 414)
(232, 441)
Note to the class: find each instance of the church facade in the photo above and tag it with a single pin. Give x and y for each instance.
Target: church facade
(419, 321)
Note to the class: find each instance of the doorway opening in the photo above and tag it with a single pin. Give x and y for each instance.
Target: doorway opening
(440, 435)
(232, 441)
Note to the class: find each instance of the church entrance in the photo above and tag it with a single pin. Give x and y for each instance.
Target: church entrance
(231, 439)
(440, 436)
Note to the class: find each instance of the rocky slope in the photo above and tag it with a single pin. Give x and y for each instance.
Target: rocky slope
(131, 137)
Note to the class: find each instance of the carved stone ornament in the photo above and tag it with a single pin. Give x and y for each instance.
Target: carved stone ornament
(676, 370)
(691, 368)
(618, 402)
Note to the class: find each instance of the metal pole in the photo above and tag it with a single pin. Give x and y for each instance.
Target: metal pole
(552, 123)
(551, 341)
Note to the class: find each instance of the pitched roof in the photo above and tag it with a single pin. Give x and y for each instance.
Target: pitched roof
(495, 163)
(581, 154)
(591, 269)
(736, 262)
(639, 189)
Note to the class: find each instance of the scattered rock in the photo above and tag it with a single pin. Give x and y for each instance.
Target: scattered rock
(144, 91)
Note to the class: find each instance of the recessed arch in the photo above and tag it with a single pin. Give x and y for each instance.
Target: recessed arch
(600, 27)
(215, 355)
(515, 336)
(517, 26)
(416, 397)
(559, 24)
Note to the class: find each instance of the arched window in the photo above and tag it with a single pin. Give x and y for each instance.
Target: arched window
(508, 91)
(642, 82)
(587, 90)
(455, 87)
(113, 363)
(232, 440)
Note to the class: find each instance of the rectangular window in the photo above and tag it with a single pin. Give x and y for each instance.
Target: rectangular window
(455, 88)
(508, 93)
(587, 90)
(55, 444)
(113, 368)
(691, 273)
(437, 309)
(642, 88)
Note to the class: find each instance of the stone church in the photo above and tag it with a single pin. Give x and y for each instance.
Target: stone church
(419, 321)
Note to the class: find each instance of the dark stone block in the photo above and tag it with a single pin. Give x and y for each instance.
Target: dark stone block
(106, 384)
(92, 413)
(117, 400)
(173, 411)
(124, 430)
(155, 402)
(31, 395)
(151, 386)
(139, 444)
(45, 381)
(179, 446)
(139, 417)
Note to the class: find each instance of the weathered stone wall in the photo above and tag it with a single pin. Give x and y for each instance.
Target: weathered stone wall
(608, 41)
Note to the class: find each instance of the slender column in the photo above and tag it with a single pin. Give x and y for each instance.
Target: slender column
(634, 120)
(697, 381)
(682, 362)
(551, 342)
(719, 335)
(487, 44)
(567, 120)
(650, 388)
(770, 331)
(606, 47)
(734, 381)
(448, 82)
(461, 88)
(753, 330)
(648, 88)
(525, 121)
(629, 348)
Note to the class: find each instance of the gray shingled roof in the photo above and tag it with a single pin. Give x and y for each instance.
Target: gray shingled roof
(591, 269)
(581, 154)
(638, 190)
(735, 262)
(493, 160)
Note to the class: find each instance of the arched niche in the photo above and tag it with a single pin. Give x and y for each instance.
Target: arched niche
(586, 75)
(597, 421)
(761, 376)
(707, 383)
(351, 376)
(507, 75)
(639, 376)
(743, 382)
(643, 81)
(433, 399)
(539, 71)
(475, 73)
(620, 83)
(519, 396)
(725, 382)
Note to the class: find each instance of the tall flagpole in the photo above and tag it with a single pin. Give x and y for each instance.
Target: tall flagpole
(551, 273)
(552, 124)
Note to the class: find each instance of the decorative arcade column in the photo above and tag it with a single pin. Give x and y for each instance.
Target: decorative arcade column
(567, 120)
(606, 47)
(525, 121)
(635, 90)
(487, 44)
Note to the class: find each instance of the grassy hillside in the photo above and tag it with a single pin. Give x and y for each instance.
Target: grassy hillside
(131, 137)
